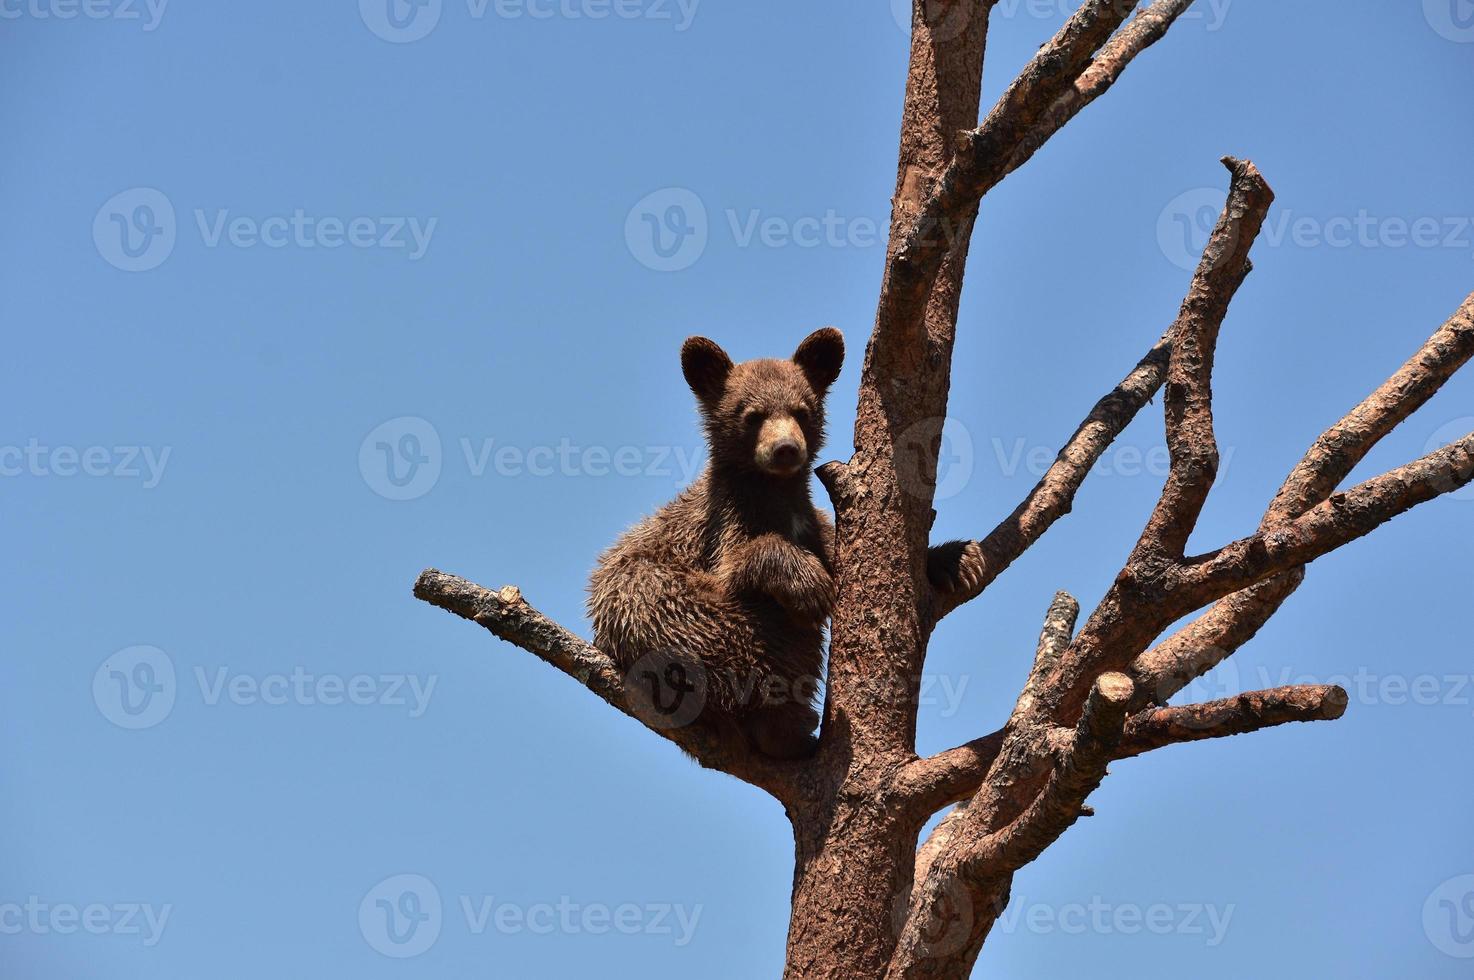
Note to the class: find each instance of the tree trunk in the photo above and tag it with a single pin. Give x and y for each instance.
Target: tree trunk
(867, 903)
(850, 862)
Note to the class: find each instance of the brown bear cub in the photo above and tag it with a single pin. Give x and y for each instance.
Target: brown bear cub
(731, 583)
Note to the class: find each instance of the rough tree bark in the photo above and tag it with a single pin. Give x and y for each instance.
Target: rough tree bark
(868, 901)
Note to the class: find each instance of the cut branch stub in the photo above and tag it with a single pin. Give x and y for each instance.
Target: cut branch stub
(1239, 715)
(1058, 806)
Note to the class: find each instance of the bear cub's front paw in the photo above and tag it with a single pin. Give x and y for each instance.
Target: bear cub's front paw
(807, 592)
(956, 566)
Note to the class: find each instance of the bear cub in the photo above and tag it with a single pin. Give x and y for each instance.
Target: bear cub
(726, 590)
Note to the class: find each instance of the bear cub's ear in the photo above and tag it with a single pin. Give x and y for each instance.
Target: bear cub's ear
(706, 367)
(821, 355)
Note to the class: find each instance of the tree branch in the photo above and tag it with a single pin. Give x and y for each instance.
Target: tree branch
(1189, 399)
(969, 863)
(1344, 445)
(1054, 495)
(1079, 773)
(1269, 566)
(509, 616)
(981, 161)
(1054, 640)
(1237, 616)
(1239, 715)
(1341, 519)
(1183, 358)
(1235, 619)
(926, 785)
(954, 775)
(1149, 27)
(1208, 640)
(1141, 602)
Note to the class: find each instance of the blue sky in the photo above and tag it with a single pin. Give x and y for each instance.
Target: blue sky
(248, 245)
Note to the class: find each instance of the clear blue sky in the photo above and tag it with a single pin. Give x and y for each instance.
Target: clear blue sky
(195, 396)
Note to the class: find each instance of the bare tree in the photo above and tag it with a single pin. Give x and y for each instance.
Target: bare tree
(868, 902)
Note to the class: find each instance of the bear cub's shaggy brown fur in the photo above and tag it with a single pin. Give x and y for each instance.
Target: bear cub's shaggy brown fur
(733, 580)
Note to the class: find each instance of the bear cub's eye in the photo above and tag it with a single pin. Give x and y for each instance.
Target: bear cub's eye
(800, 415)
(752, 418)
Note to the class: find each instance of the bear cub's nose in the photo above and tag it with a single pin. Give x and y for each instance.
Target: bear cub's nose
(787, 454)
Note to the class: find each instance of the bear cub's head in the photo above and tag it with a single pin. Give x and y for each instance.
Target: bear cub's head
(764, 416)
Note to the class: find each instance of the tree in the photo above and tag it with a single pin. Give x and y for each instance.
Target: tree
(867, 901)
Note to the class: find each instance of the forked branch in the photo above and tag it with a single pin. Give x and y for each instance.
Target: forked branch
(1232, 621)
